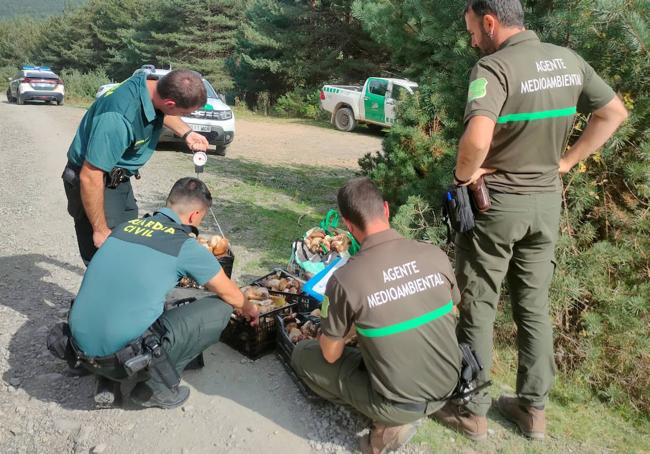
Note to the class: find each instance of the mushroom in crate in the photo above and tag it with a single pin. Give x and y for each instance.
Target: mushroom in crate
(219, 246)
(261, 297)
(281, 282)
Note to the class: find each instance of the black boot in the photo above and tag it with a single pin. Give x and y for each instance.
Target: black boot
(104, 393)
(163, 397)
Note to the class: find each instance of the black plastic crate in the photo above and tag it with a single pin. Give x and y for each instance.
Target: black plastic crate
(254, 341)
(285, 349)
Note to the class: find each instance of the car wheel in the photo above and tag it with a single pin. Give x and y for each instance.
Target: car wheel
(344, 119)
(220, 150)
(21, 101)
(60, 103)
(9, 99)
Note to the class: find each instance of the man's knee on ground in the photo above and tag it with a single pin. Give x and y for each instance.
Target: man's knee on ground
(304, 354)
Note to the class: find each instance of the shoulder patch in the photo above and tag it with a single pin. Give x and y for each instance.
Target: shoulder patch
(324, 307)
(477, 89)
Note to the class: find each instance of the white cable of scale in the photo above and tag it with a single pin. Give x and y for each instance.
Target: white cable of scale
(200, 159)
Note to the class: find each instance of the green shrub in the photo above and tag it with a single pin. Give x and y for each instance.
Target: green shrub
(5, 73)
(301, 103)
(83, 86)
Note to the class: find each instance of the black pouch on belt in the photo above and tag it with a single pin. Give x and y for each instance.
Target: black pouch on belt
(457, 210)
(71, 175)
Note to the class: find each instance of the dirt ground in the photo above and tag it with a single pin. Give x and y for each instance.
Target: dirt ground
(236, 405)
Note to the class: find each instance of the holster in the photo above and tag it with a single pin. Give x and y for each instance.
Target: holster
(468, 383)
(144, 356)
(115, 177)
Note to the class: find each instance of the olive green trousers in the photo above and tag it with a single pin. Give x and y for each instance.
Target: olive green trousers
(347, 382)
(188, 331)
(514, 240)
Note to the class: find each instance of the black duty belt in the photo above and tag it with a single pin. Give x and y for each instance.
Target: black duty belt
(112, 179)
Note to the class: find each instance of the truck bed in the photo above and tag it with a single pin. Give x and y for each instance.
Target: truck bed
(347, 87)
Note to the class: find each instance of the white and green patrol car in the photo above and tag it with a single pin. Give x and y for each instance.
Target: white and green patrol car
(374, 103)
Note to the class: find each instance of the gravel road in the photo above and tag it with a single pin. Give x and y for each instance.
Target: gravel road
(236, 405)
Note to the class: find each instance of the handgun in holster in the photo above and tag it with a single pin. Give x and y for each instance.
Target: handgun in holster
(161, 367)
(116, 176)
(468, 383)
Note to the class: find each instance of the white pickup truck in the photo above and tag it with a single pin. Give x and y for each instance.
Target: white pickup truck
(373, 103)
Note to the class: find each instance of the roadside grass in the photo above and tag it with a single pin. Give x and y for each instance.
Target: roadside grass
(576, 422)
(263, 208)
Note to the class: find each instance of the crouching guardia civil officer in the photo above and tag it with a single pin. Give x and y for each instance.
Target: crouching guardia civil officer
(522, 101)
(116, 137)
(118, 327)
(400, 295)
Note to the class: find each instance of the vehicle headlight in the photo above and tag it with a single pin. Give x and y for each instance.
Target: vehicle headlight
(213, 114)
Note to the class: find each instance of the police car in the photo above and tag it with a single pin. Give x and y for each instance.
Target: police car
(215, 120)
(35, 83)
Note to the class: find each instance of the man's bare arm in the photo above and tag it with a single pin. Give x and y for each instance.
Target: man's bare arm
(228, 291)
(195, 141)
(602, 125)
(473, 148)
(91, 180)
(331, 348)
(177, 126)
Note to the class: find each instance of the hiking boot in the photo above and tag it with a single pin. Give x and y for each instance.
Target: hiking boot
(530, 420)
(462, 420)
(104, 393)
(383, 438)
(167, 399)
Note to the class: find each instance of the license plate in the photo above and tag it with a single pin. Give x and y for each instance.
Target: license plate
(200, 128)
(43, 86)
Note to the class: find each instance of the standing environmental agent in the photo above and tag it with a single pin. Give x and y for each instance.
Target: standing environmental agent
(522, 101)
(116, 137)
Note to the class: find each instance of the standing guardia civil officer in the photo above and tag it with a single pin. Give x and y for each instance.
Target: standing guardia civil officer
(522, 102)
(400, 295)
(116, 137)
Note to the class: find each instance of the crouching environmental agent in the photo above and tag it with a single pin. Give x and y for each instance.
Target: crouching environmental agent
(399, 296)
(117, 327)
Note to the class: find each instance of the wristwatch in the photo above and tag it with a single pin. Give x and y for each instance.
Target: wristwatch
(184, 136)
(459, 181)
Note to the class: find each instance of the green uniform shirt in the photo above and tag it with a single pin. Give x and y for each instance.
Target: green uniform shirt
(123, 290)
(121, 129)
(531, 90)
(400, 294)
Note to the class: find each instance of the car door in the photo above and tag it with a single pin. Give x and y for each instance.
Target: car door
(374, 100)
(13, 85)
(395, 94)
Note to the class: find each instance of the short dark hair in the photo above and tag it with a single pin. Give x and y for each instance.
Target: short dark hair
(509, 12)
(187, 193)
(360, 201)
(184, 87)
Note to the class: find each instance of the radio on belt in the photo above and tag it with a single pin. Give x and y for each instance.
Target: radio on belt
(200, 159)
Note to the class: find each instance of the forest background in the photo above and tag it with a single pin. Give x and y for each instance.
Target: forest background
(272, 56)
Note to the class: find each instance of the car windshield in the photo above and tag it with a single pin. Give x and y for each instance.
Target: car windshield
(42, 75)
(211, 92)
